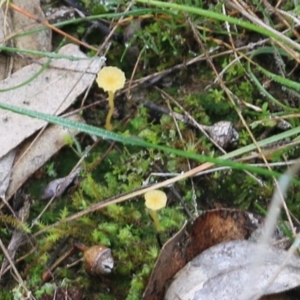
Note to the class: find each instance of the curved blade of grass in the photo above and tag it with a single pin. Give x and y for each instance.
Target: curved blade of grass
(42, 53)
(42, 69)
(284, 81)
(133, 13)
(139, 142)
(270, 32)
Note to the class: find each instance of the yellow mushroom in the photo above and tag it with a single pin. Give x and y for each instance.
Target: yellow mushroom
(155, 200)
(110, 79)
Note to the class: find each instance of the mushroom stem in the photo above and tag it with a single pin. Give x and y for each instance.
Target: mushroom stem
(153, 214)
(108, 125)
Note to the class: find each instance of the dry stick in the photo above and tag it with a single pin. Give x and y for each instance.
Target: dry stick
(188, 163)
(229, 33)
(113, 30)
(133, 73)
(259, 22)
(217, 169)
(17, 274)
(236, 5)
(273, 10)
(48, 274)
(268, 151)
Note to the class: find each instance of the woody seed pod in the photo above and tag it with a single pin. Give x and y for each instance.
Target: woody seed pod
(97, 259)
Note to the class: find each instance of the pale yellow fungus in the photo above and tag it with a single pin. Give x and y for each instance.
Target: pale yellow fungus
(110, 79)
(155, 200)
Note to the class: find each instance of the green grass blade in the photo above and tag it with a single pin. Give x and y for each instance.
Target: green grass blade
(141, 143)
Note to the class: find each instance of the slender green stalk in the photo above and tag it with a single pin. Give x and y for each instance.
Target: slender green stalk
(153, 214)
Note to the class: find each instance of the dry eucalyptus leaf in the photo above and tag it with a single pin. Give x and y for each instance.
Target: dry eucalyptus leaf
(222, 272)
(6, 163)
(52, 92)
(49, 143)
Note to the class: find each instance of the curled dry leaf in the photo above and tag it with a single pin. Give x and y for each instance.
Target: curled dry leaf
(209, 229)
(223, 271)
(56, 187)
(51, 92)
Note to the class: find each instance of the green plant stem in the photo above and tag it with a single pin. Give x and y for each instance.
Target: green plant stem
(111, 96)
(153, 214)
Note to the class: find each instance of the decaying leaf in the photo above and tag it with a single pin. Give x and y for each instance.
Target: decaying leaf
(209, 229)
(222, 272)
(49, 143)
(51, 92)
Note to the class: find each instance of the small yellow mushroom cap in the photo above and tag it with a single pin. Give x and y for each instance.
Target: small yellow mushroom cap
(111, 79)
(155, 199)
